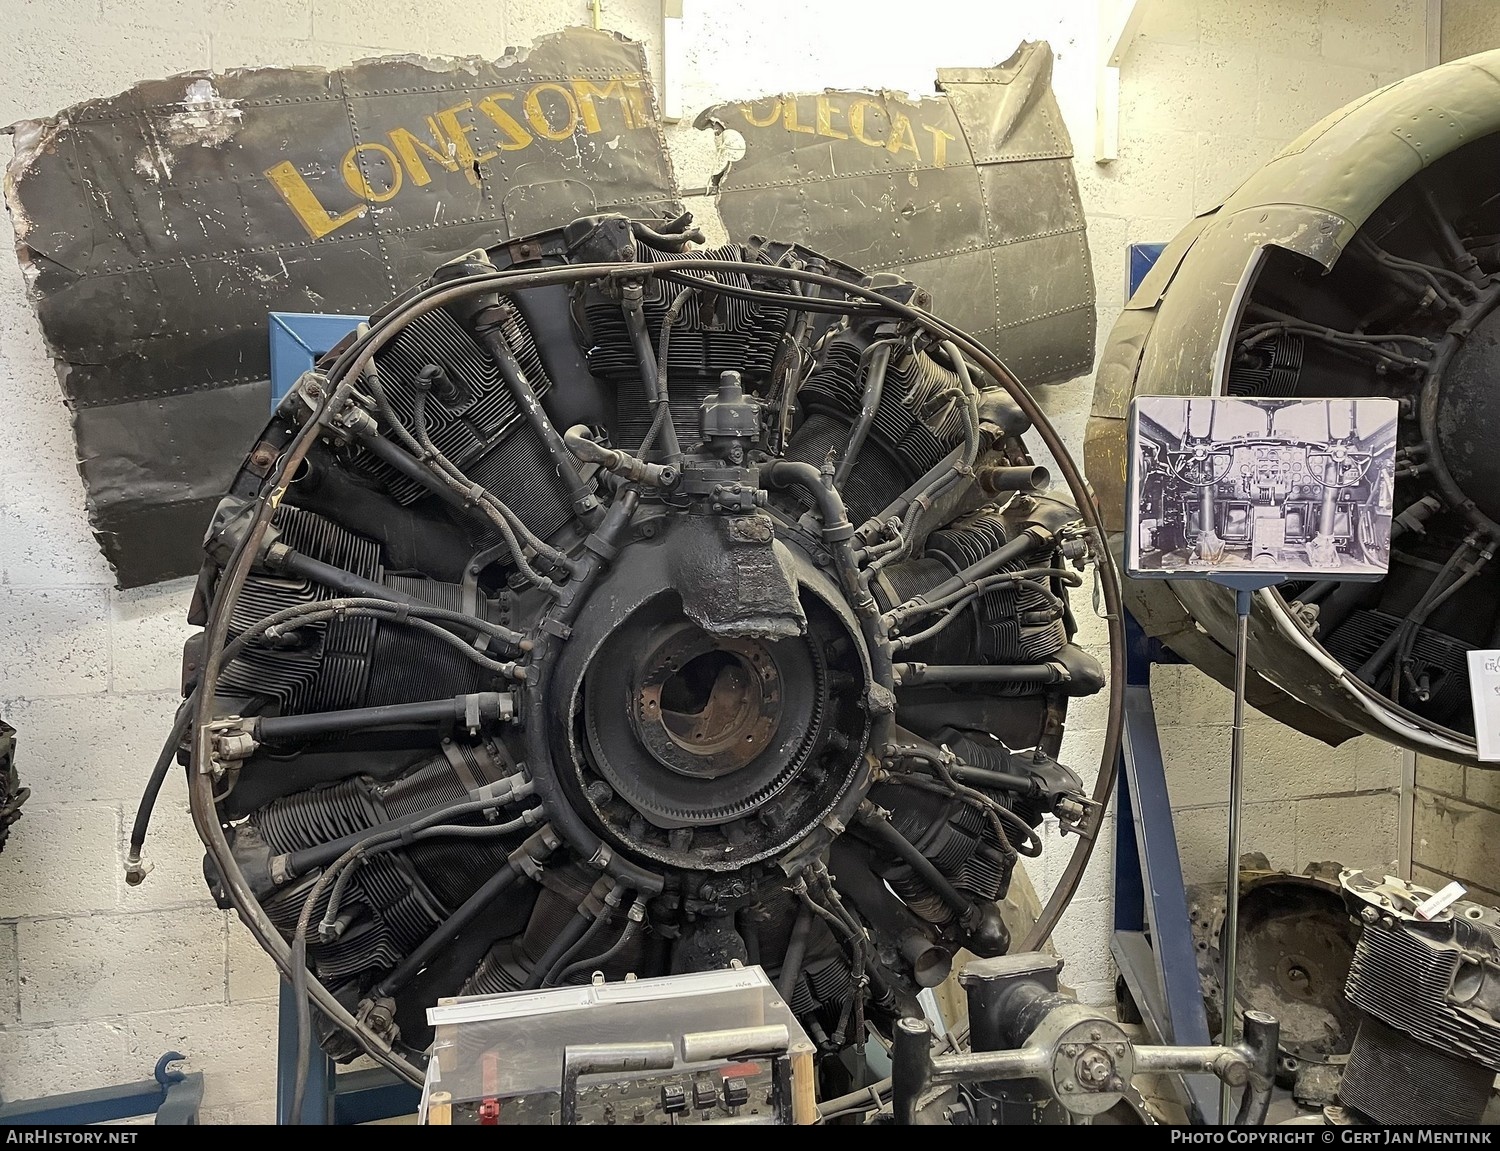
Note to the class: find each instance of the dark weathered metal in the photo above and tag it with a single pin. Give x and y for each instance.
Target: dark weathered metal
(970, 193)
(719, 848)
(158, 228)
(12, 794)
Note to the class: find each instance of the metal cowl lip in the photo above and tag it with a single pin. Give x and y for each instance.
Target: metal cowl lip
(1328, 235)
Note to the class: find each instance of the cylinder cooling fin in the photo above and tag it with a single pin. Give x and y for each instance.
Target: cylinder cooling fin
(618, 605)
(1426, 987)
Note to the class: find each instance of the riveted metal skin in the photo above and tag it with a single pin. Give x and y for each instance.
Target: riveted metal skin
(160, 226)
(968, 192)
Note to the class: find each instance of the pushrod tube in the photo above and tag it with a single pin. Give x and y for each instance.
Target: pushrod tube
(348, 369)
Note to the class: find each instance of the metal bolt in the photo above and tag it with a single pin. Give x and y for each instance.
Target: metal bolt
(1095, 1068)
(1369, 915)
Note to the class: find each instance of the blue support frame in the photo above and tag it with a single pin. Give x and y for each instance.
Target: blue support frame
(333, 1098)
(1141, 257)
(298, 339)
(173, 1096)
(317, 1099)
(1152, 943)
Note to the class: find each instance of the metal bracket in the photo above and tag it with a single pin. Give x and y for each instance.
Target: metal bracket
(297, 340)
(172, 1095)
(229, 741)
(352, 1097)
(1120, 21)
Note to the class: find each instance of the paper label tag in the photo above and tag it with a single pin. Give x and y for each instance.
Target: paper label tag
(1484, 693)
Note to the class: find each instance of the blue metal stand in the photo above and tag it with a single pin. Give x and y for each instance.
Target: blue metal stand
(1140, 257)
(1152, 942)
(297, 340)
(332, 1097)
(173, 1096)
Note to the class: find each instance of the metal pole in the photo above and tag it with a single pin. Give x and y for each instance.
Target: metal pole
(1230, 941)
(1406, 814)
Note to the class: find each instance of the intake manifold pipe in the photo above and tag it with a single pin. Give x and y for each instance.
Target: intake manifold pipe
(996, 481)
(632, 297)
(929, 961)
(1034, 539)
(984, 930)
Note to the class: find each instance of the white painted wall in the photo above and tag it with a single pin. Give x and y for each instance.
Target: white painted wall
(1469, 26)
(96, 979)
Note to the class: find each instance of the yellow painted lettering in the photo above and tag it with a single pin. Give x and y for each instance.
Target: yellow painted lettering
(826, 113)
(586, 92)
(750, 118)
(635, 94)
(514, 137)
(857, 121)
(408, 146)
(789, 119)
(458, 133)
(939, 145)
(358, 181)
(318, 220)
(902, 137)
(536, 115)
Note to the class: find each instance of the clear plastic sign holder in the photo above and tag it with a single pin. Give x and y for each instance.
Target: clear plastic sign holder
(1248, 493)
(1484, 695)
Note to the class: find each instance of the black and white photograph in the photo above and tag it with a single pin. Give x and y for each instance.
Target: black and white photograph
(1285, 486)
(567, 563)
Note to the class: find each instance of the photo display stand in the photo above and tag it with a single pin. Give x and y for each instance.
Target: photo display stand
(1249, 493)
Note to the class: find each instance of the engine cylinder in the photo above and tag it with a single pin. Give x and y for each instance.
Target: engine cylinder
(586, 607)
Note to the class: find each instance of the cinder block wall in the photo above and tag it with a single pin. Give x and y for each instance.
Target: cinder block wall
(1469, 26)
(1455, 826)
(97, 979)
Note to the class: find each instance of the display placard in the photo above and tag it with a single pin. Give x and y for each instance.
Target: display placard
(1222, 486)
(1484, 694)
